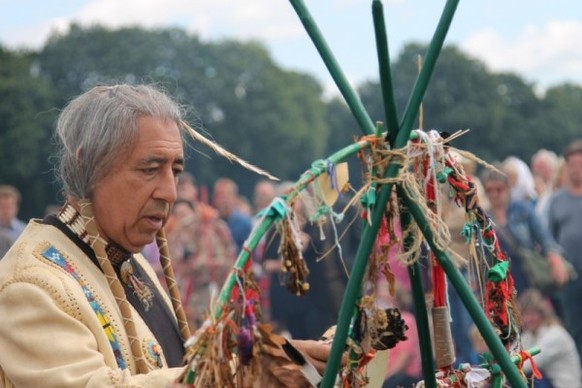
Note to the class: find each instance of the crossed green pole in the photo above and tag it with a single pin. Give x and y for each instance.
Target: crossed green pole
(398, 138)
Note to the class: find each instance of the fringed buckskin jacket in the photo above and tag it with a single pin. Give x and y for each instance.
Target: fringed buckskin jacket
(60, 325)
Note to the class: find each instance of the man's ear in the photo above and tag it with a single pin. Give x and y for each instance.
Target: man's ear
(78, 154)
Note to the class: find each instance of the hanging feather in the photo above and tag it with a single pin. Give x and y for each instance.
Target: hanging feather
(226, 154)
(282, 365)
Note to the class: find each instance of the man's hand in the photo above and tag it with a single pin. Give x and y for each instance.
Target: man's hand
(558, 268)
(316, 352)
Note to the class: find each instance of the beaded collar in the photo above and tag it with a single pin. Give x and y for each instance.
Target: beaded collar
(119, 257)
(72, 218)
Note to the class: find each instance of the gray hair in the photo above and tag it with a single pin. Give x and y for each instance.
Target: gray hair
(549, 156)
(99, 126)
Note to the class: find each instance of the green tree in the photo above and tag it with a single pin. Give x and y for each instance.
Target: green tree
(25, 121)
(561, 116)
(499, 109)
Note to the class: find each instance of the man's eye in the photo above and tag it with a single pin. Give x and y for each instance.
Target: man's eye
(150, 170)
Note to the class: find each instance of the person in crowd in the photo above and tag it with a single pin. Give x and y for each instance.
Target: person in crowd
(309, 315)
(225, 199)
(558, 360)
(203, 254)
(80, 306)
(263, 194)
(5, 244)
(10, 225)
(518, 225)
(544, 167)
(561, 178)
(243, 205)
(565, 224)
(521, 182)
(187, 188)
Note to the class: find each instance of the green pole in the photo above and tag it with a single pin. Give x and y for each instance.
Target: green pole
(432, 53)
(369, 232)
(421, 313)
(385, 73)
(354, 285)
(491, 339)
(414, 270)
(352, 99)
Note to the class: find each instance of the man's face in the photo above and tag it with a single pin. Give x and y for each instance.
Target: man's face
(542, 167)
(532, 319)
(264, 194)
(224, 199)
(497, 192)
(8, 209)
(574, 169)
(132, 202)
(187, 190)
(182, 211)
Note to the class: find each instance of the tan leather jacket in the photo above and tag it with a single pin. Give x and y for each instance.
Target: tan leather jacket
(50, 334)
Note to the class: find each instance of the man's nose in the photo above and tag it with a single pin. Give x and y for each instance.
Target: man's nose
(167, 187)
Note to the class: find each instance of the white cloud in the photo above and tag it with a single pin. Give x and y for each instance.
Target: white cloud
(208, 18)
(549, 53)
(33, 36)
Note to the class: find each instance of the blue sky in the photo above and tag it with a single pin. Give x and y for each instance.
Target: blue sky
(538, 39)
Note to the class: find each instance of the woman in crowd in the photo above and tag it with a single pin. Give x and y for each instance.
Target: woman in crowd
(518, 225)
(558, 360)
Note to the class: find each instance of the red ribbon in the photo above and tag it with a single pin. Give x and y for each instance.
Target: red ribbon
(523, 356)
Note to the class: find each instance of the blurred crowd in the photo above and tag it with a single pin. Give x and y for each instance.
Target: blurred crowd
(536, 204)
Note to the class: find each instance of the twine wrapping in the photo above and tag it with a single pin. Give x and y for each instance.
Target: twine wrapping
(166, 263)
(443, 339)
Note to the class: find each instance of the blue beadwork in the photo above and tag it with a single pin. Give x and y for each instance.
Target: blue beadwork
(52, 254)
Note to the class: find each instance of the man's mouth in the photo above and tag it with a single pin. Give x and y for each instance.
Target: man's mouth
(157, 220)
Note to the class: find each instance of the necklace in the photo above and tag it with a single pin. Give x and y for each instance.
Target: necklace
(119, 257)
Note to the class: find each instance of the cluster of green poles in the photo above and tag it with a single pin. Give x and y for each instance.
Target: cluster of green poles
(398, 135)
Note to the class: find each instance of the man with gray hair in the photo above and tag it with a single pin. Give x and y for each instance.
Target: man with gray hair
(80, 306)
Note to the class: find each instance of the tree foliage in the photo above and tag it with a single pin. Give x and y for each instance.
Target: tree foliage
(25, 127)
(502, 111)
(277, 119)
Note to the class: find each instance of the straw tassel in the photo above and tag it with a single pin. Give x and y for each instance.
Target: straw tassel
(98, 246)
(166, 262)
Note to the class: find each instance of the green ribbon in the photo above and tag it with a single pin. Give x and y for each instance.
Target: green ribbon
(368, 200)
(443, 174)
(467, 232)
(498, 272)
(276, 210)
